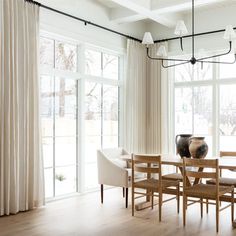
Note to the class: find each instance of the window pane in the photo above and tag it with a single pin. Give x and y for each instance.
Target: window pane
(183, 73)
(65, 107)
(227, 117)
(48, 176)
(93, 123)
(47, 144)
(65, 180)
(202, 110)
(47, 108)
(227, 110)
(227, 143)
(183, 110)
(227, 71)
(65, 151)
(46, 51)
(92, 109)
(110, 66)
(92, 97)
(91, 176)
(110, 110)
(92, 144)
(66, 56)
(93, 63)
(202, 71)
(110, 141)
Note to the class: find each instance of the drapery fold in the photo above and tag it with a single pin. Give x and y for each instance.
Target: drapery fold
(157, 104)
(146, 102)
(135, 98)
(21, 167)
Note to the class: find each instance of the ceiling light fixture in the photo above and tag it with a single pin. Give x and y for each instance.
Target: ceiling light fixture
(181, 30)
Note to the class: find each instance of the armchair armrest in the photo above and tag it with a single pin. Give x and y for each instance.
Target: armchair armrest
(110, 173)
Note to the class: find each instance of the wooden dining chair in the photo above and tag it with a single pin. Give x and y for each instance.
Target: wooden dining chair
(204, 191)
(225, 181)
(174, 176)
(150, 168)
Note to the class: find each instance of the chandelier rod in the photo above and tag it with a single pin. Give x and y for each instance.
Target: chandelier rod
(191, 35)
(193, 40)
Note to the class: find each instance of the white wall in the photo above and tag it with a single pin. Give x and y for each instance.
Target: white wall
(205, 20)
(90, 11)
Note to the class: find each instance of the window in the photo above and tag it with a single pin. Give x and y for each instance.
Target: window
(204, 103)
(101, 109)
(79, 113)
(59, 118)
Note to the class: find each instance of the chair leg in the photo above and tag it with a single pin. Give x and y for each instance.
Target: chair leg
(232, 206)
(217, 215)
(152, 199)
(184, 209)
(178, 193)
(123, 192)
(132, 201)
(102, 193)
(201, 205)
(126, 197)
(207, 206)
(160, 206)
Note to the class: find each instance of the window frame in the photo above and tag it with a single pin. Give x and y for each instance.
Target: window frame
(215, 83)
(81, 79)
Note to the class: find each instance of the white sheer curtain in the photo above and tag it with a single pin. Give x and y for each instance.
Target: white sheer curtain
(146, 102)
(157, 105)
(135, 98)
(21, 167)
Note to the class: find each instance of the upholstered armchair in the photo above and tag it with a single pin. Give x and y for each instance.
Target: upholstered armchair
(113, 171)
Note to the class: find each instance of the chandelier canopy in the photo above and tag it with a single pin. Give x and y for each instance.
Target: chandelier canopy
(180, 31)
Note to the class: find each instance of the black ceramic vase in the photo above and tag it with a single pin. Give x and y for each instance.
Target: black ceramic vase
(182, 144)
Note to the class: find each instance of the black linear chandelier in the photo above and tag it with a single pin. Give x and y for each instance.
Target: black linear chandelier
(181, 30)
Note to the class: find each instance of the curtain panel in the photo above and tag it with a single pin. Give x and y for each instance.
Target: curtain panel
(135, 98)
(21, 167)
(146, 102)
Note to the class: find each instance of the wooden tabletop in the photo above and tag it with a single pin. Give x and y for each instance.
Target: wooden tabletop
(224, 162)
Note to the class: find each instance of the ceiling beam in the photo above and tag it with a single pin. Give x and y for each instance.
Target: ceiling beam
(145, 12)
(170, 6)
(123, 15)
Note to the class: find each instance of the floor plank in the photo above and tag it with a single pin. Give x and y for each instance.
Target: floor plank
(84, 215)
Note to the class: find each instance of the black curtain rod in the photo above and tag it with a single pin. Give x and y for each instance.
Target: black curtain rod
(116, 32)
(83, 20)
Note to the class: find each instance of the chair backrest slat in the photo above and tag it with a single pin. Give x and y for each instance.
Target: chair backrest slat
(227, 154)
(146, 159)
(201, 175)
(205, 163)
(148, 170)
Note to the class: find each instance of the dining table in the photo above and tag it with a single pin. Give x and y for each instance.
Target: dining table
(225, 163)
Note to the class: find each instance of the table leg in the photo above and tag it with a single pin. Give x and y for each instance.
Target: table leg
(196, 181)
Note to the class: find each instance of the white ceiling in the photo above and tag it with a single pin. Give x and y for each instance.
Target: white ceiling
(164, 12)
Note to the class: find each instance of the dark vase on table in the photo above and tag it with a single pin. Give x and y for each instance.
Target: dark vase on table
(182, 145)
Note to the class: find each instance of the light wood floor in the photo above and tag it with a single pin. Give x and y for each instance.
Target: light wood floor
(84, 215)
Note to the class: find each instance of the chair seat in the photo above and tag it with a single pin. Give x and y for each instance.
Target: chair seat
(223, 181)
(173, 176)
(153, 184)
(206, 190)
